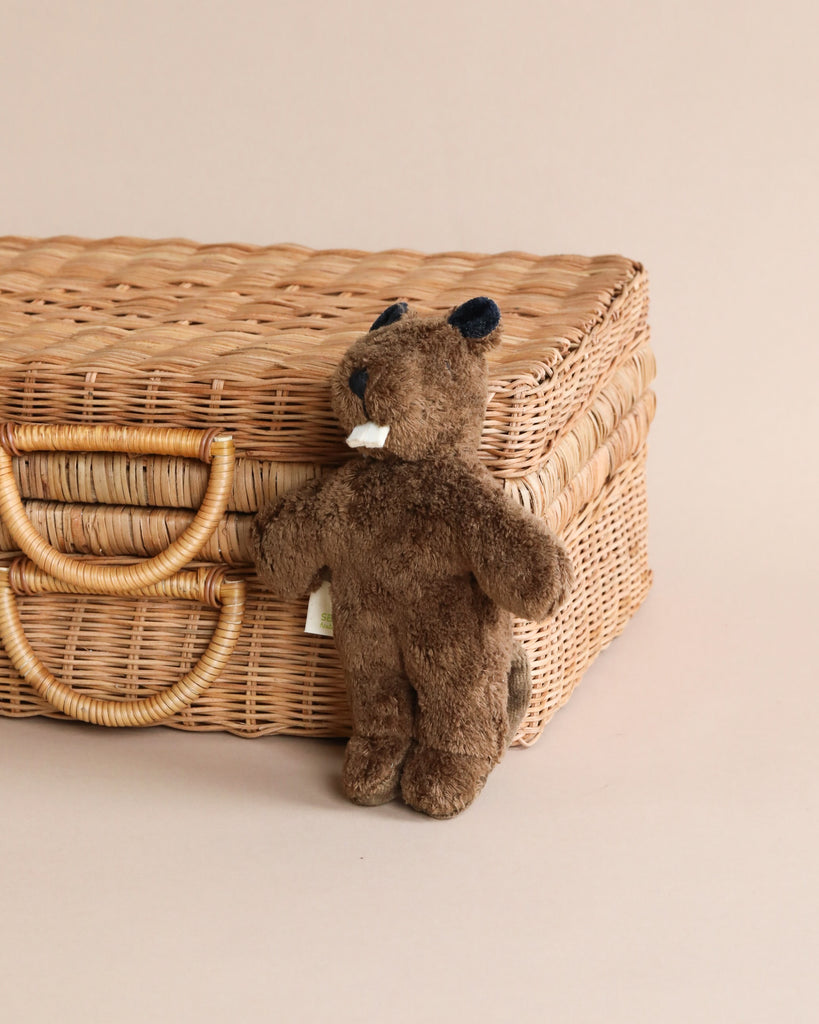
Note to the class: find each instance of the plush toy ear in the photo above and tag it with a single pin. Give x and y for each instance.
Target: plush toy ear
(476, 320)
(390, 315)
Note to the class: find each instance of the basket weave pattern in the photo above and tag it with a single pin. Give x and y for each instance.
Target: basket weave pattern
(243, 339)
(128, 331)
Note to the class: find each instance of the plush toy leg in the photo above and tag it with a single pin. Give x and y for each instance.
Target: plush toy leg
(461, 729)
(442, 784)
(382, 705)
(372, 768)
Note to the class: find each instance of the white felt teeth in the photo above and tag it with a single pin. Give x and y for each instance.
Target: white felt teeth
(368, 435)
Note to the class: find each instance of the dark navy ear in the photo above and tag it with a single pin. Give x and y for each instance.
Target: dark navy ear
(476, 318)
(390, 315)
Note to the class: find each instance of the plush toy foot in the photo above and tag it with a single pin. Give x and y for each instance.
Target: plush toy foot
(441, 784)
(372, 768)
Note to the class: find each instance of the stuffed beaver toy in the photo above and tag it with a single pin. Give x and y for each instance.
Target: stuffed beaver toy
(428, 559)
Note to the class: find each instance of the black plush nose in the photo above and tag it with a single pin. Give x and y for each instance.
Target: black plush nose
(358, 382)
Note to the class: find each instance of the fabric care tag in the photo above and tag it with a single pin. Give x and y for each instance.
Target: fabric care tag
(320, 611)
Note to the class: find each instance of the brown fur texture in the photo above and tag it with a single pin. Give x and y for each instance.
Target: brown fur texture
(429, 561)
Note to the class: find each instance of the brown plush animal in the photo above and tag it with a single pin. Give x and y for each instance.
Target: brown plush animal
(429, 560)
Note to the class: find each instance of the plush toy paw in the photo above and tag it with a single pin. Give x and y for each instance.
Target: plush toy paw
(563, 579)
(372, 768)
(442, 784)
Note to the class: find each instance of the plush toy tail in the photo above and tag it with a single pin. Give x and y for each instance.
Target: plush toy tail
(520, 689)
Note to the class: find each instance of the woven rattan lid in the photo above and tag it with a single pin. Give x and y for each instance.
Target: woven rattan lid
(127, 330)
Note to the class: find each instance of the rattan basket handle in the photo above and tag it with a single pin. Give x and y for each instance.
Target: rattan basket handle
(209, 586)
(208, 445)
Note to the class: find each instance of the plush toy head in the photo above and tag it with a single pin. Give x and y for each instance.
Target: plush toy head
(414, 387)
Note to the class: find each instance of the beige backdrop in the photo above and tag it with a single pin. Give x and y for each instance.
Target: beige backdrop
(654, 857)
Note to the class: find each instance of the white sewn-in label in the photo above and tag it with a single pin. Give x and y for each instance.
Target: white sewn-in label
(320, 612)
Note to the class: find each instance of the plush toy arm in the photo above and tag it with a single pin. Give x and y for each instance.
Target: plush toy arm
(516, 559)
(286, 539)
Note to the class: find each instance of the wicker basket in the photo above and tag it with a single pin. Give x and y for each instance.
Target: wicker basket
(157, 393)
